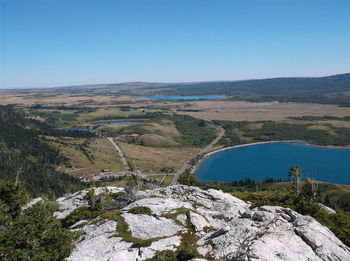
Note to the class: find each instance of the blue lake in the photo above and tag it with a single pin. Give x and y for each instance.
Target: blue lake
(116, 122)
(184, 98)
(273, 160)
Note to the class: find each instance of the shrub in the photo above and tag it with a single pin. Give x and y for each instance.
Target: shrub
(186, 251)
(141, 210)
(166, 255)
(188, 179)
(79, 214)
(32, 234)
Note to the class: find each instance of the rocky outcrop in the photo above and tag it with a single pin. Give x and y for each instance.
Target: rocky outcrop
(327, 209)
(224, 228)
(149, 227)
(72, 201)
(32, 203)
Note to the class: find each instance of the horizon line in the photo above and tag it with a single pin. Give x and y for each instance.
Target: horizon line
(168, 83)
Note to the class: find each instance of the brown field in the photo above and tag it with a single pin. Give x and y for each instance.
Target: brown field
(167, 180)
(103, 154)
(247, 111)
(208, 110)
(52, 98)
(167, 128)
(151, 160)
(334, 123)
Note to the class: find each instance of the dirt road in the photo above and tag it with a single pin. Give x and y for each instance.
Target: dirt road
(202, 151)
(120, 152)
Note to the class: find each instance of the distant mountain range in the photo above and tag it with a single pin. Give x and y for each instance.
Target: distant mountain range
(334, 89)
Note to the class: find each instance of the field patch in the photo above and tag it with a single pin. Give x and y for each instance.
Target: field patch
(86, 156)
(257, 111)
(152, 160)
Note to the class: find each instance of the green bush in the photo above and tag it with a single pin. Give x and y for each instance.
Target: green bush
(166, 255)
(188, 179)
(186, 251)
(141, 210)
(32, 234)
(240, 133)
(79, 214)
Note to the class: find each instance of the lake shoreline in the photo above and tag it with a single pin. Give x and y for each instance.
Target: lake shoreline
(264, 142)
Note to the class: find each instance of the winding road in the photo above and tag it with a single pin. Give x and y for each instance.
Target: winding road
(184, 167)
(202, 151)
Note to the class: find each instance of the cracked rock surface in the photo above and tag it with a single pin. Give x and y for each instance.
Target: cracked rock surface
(225, 228)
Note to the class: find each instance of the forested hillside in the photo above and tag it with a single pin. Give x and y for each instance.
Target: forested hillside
(331, 89)
(22, 154)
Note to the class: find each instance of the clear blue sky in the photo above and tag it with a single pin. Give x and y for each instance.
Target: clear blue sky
(68, 42)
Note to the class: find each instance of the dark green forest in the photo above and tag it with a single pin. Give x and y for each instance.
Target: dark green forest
(240, 133)
(33, 233)
(25, 157)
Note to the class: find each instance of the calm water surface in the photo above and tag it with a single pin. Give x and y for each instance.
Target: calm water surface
(273, 160)
(184, 98)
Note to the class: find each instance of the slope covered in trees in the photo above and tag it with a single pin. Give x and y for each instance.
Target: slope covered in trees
(23, 155)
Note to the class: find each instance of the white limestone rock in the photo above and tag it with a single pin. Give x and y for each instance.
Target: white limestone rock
(323, 242)
(33, 202)
(282, 244)
(130, 254)
(146, 227)
(79, 224)
(99, 243)
(267, 233)
(327, 209)
(198, 221)
(73, 201)
(182, 218)
(160, 205)
(169, 243)
(70, 202)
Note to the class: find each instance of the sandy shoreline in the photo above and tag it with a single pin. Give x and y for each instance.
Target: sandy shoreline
(264, 142)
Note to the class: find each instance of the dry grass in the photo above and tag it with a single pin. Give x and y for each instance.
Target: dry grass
(339, 124)
(323, 127)
(334, 123)
(151, 160)
(319, 127)
(255, 126)
(103, 154)
(166, 181)
(106, 112)
(166, 129)
(247, 111)
(46, 97)
(209, 110)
